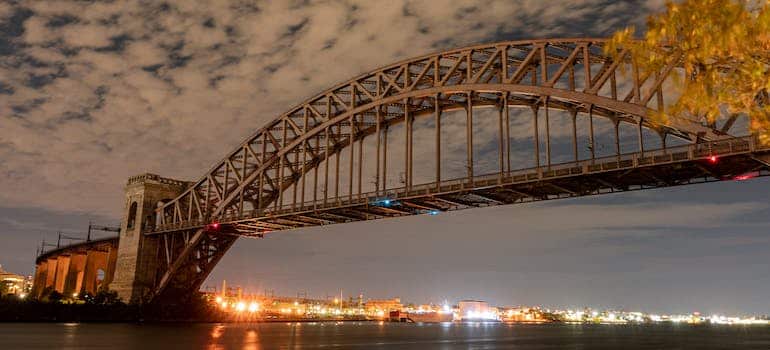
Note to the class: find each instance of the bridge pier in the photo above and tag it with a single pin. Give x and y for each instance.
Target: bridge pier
(41, 277)
(50, 278)
(74, 279)
(137, 258)
(62, 267)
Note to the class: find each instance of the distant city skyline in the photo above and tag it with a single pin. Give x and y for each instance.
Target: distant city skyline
(95, 93)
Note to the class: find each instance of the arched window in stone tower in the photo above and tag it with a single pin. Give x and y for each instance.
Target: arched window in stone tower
(131, 216)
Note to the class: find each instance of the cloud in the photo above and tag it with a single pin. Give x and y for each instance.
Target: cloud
(96, 92)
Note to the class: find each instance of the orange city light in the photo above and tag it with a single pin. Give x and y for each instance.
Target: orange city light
(240, 306)
(253, 307)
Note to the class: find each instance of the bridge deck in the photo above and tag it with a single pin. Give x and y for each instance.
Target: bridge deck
(730, 159)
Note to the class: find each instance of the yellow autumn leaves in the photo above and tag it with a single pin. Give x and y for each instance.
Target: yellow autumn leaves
(724, 47)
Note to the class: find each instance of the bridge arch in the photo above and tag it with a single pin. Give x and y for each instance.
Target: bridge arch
(525, 72)
(572, 75)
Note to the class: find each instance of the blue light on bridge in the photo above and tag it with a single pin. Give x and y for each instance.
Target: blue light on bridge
(383, 202)
(433, 212)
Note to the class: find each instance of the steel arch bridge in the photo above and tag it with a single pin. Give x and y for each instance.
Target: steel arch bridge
(288, 173)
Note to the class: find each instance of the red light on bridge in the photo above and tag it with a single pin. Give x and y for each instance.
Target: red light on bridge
(743, 177)
(213, 227)
(713, 159)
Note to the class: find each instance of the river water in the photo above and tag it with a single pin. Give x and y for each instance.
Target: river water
(373, 335)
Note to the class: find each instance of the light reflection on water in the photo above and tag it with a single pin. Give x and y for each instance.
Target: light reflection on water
(366, 335)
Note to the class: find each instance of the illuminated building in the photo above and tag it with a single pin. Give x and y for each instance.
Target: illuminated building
(382, 307)
(476, 310)
(522, 314)
(13, 284)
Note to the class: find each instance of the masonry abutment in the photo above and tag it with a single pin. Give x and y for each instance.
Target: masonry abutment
(137, 259)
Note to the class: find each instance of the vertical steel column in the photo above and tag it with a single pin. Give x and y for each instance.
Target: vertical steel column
(304, 158)
(260, 194)
(352, 145)
(326, 165)
(408, 158)
(295, 180)
(469, 134)
(328, 130)
(260, 204)
(501, 142)
(543, 63)
(537, 137)
(281, 165)
(360, 162)
(378, 131)
(507, 133)
(663, 142)
(591, 127)
(617, 138)
(315, 175)
(189, 206)
(337, 153)
(385, 158)
(547, 133)
(587, 66)
(437, 115)
(574, 133)
(641, 138)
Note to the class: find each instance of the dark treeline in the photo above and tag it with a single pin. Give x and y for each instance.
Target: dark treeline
(106, 308)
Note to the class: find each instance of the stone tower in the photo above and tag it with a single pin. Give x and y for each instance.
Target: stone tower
(137, 261)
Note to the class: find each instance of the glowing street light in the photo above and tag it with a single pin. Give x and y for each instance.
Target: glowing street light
(240, 306)
(253, 307)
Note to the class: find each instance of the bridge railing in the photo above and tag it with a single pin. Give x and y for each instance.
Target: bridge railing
(627, 160)
(704, 151)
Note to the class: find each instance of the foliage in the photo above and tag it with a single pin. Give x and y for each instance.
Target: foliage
(724, 48)
(55, 297)
(105, 297)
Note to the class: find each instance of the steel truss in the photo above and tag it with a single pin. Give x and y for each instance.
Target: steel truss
(247, 192)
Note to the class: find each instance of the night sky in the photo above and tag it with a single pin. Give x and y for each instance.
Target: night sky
(94, 92)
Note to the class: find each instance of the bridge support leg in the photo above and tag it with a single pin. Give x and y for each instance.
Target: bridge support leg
(74, 277)
(188, 262)
(50, 277)
(137, 262)
(62, 268)
(41, 274)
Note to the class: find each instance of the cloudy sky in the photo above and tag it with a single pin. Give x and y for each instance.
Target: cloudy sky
(94, 92)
